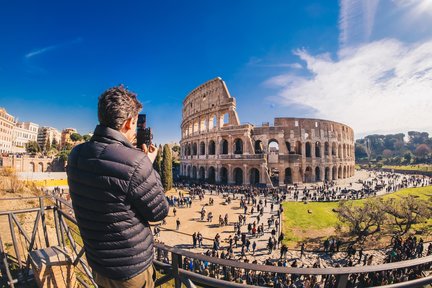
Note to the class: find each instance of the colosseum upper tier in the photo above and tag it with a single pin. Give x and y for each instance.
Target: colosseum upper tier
(216, 148)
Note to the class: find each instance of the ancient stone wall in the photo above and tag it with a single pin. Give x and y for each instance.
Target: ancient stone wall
(215, 148)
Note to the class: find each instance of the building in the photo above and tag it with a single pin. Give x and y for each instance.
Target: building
(23, 133)
(65, 136)
(7, 123)
(48, 135)
(216, 148)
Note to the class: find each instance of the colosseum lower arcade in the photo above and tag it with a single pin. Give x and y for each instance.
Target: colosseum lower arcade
(216, 148)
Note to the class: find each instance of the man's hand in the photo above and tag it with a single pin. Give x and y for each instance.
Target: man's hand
(150, 151)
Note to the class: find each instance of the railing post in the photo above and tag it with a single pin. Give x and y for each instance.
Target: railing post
(176, 264)
(44, 228)
(5, 267)
(56, 223)
(14, 240)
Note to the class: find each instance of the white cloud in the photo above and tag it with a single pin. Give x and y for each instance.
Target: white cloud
(50, 48)
(381, 86)
(356, 21)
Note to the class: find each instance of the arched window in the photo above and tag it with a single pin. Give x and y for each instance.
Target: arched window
(273, 146)
(258, 147)
(317, 174)
(254, 176)
(212, 148)
(238, 146)
(288, 146)
(194, 149)
(211, 175)
(308, 149)
(288, 176)
(317, 149)
(308, 175)
(224, 175)
(238, 176)
(298, 148)
(202, 148)
(224, 146)
(202, 173)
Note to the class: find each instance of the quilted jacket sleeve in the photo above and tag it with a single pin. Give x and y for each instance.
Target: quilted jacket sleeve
(147, 192)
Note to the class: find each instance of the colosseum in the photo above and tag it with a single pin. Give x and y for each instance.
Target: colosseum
(216, 148)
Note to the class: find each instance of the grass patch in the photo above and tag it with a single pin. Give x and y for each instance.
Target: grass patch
(419, 167)
(299, 224)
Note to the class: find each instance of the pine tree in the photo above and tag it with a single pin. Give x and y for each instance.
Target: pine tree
(167, 177)
(157, 164)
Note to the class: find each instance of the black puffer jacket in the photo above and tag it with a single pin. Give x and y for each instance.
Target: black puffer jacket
(115, 192)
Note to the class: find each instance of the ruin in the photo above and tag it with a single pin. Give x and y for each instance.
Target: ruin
(216, 148)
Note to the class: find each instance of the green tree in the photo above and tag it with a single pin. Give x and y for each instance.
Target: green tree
(76, 137)
(362, 220)
(86, 137)
(157, 164)
(176, 148)
(32, 147)
(55, 144)
(407, 211)
(47, 145)
(167, 177)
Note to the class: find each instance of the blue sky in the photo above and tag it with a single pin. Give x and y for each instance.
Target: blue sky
(363, 63)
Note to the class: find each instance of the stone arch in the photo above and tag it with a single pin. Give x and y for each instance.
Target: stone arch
(308, 175)
(223, 175)
(188, 150)
(334, 149)
(254, 176)
(340, 175)
(273, 144)
(334, 173)
(194, 172)
(308, 149)
(211, 178)
(188, 171)
(238, 146)
(226, 119)
(340, 151)
(201, 174)
(317, 149)
(213, 122)
(288, 176)
(202, 148)
(274, 176)
(40, 167)
(32, 167)
(212, 148)
(194, 149)
(326, 149)
(344, 172)
(317, 174)
(327, 174)
(224, 146)
(238, 176)
(298, 148)
(258, 147)
(288, 146)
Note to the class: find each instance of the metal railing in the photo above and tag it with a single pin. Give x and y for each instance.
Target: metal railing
(170, 261)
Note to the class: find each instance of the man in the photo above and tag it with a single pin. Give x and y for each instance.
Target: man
(115, 192)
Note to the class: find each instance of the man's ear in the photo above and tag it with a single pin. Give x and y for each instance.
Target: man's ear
(128, 124)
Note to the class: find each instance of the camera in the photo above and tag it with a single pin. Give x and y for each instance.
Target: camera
(144, 134)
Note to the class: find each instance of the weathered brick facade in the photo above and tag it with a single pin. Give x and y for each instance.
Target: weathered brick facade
(217, 149)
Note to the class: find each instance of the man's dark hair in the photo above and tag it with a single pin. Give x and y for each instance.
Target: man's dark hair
(116, 105)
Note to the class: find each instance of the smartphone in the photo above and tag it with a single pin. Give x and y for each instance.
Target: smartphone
(144, 134)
